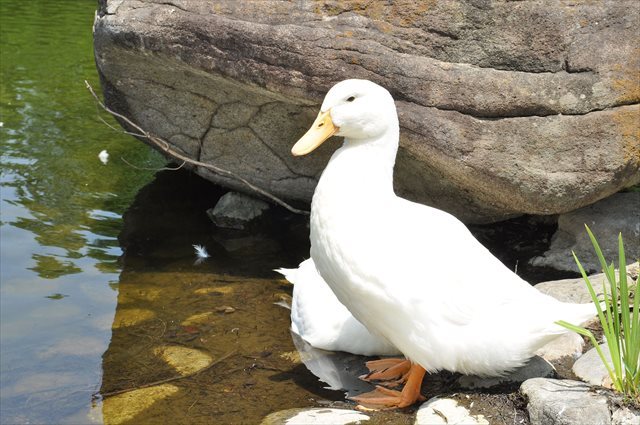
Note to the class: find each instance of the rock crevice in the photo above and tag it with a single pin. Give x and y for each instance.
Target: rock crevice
(509, 109)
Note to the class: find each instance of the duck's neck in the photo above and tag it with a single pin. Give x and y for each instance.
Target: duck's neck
(360, 170)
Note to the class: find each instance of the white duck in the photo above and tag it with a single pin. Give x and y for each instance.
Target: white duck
(322, 321)
(413, 274)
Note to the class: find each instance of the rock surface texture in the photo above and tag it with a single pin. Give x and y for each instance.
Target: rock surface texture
(619, 213)
(505, 107)
(564, 402)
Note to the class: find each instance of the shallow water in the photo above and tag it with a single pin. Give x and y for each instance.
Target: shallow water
(98, 286)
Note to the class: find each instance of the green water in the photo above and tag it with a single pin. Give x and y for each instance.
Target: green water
(61, 213)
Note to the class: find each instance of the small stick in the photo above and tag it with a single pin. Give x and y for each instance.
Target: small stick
(174, 378)
(165, 147)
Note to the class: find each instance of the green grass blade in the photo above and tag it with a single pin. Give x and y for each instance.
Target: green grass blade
(624, 300)
(592, 292)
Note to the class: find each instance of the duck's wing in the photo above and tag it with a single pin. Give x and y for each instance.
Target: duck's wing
(321, 320)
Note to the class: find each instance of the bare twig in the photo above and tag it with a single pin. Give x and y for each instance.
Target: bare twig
(166, 148)
(152, 169)
(174, 378)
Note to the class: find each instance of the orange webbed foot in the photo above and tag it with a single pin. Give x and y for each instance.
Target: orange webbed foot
(383, 398)
(393, 371)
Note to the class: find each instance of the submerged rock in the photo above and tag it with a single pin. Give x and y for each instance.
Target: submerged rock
(184, 360)
(123, 408)
(497, 119)
(564, 402)
(446, 411)
(235, 210)
(616, 214)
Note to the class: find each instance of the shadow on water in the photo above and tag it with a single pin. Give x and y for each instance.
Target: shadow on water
(172, 312)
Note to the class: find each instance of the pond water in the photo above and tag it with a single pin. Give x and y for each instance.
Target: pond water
(105, 315)
(99, 290)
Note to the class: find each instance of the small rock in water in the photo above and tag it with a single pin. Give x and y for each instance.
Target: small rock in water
(535, 367)
(446, 411)
(312, 416)
(589, 367)
(184, 360)
(226, 309)
(235, 210)
(123, 408)
(564, 402)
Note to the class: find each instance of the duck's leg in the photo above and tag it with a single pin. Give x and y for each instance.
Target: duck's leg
(393, 370)
(384, 398)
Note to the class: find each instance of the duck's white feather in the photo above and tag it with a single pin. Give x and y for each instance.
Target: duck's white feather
(415, 274)
(321, 320)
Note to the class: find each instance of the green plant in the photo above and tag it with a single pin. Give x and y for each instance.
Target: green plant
(620, 322)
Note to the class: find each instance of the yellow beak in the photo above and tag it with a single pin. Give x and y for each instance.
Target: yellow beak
(321, 129)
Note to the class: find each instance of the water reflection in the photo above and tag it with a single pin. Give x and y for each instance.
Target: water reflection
(61, 212)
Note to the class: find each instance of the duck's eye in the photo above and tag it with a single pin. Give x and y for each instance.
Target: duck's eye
(351, 99)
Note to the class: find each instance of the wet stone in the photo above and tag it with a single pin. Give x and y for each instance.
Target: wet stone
(446, 411)
(554, 401)
(123, 408)
(315, 416)
(184, 360)
(535, 367)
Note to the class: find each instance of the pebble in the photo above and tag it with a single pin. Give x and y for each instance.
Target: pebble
(438, 411)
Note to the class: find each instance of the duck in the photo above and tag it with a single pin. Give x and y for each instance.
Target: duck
(411, 273)
(323, 322)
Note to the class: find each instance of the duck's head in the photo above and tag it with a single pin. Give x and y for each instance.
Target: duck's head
(354, 109)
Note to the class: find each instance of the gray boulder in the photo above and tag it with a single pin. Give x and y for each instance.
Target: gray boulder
(505, 107)
(619, 213)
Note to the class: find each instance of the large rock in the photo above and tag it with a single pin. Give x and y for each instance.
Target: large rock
(619, 213)
(505, 107)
